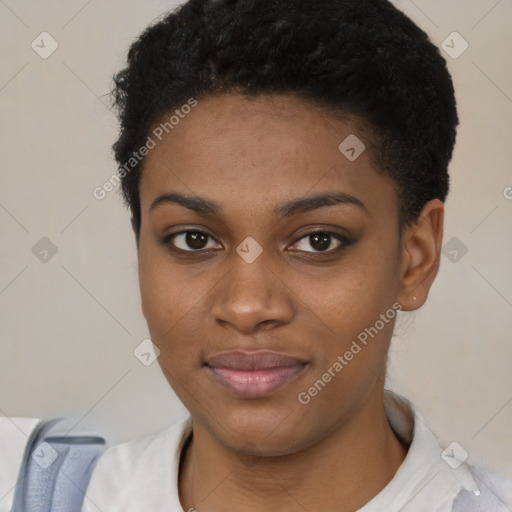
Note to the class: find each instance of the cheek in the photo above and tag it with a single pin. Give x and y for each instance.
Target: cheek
(164, 295)
(172, 300)
(358, 291)
(350, 305)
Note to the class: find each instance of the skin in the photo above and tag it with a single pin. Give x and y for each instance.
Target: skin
(249, 155)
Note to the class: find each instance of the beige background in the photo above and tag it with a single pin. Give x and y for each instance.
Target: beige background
(69, 326)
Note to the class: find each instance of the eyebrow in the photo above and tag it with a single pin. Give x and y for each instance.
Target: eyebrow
(296, 206)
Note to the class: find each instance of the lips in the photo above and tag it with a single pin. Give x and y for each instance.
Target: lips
(254, 374)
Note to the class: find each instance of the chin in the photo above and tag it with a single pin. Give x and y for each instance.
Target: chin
(263, 430)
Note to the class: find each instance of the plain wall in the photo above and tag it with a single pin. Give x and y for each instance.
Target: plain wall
(69, 325)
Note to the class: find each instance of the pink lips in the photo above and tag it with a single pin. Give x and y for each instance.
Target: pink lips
(254, 374)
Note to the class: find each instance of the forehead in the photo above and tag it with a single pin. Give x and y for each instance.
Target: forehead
(261, 151)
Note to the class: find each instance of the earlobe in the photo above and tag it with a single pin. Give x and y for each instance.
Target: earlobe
(421, 255)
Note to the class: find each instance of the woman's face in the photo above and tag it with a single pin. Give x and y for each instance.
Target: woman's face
(256, 308)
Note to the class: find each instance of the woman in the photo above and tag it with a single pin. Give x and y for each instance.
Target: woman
(285, 164)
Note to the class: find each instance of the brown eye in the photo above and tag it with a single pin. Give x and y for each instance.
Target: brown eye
(196, 239)
(321, 241)
(190, 241)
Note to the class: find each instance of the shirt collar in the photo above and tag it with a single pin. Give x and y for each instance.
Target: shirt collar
(424, 482)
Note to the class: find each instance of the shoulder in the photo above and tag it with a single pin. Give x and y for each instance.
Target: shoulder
(495, 493)
(130, 466)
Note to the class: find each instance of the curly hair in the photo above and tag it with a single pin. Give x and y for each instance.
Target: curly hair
(360, 57)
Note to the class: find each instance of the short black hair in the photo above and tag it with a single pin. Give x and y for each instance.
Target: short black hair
(364, 58)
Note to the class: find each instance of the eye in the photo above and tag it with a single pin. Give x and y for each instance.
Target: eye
(321, 242)
(194, 240)
(189, 241)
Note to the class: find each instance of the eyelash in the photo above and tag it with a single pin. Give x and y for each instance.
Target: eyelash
(344, 242)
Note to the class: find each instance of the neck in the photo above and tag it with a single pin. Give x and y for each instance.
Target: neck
(342, 471)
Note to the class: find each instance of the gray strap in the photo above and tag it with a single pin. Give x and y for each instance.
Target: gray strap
(55, 470)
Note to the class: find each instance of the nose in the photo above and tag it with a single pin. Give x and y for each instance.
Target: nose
(252, 297)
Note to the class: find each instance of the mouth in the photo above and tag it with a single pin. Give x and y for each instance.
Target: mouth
(254, 374)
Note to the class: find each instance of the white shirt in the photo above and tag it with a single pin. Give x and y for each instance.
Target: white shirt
(142, 475)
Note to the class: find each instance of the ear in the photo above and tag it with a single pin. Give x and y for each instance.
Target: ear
(421, 255)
